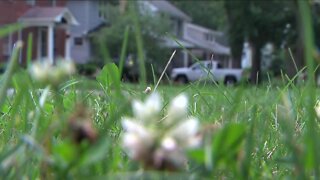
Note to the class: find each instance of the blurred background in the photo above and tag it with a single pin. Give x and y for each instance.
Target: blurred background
(264, 38)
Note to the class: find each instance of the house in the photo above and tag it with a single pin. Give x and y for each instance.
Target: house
(59, 28)
(47, 22)
(200, 41)
(62, 28)
(207, 44)
(91, 16)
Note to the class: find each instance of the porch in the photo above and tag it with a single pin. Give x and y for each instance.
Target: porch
(50, 27)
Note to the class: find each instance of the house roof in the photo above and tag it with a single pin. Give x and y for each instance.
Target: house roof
(201, 28)
(167, 7)
(98, 27)
(197, 35)
(213, 46)
(171, 43)
(39, 15)
(219, 36)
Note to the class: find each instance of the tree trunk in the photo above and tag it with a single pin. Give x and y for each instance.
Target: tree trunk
(236, 34)
(122, 6)
(295, 63)
(236, 62)
(255, 76)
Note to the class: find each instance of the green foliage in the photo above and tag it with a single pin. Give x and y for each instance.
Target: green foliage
(109, 77)
(9, 72)
(151, 36)
(210, 14)
(259, 22)
(89, 69)
(73, 131)
(227, 144)
(255, 140)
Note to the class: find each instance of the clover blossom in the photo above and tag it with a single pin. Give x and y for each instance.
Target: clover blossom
(45, 72)
(159, 142)
(317, 108)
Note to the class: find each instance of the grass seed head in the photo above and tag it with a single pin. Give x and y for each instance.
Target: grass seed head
(81, 127)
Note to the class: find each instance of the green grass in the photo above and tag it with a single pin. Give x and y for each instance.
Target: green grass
(268, 131)
(36, 138)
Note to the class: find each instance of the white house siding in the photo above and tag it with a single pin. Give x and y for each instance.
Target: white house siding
(80, 53)
(206, 46)
(204, 38)
(87, 13)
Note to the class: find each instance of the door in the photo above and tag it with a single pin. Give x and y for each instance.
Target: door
(43, 43)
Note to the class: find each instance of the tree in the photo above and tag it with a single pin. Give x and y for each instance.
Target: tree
(152, 34)
(210, 14)
(316, 22)
(259, 22)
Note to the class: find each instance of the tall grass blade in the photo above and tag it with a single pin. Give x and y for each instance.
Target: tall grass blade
(9, 72)
(10, 29)
(123, 50)
(164, 70)
(112, 71)
(312, 143)
(139, 43)
(203, 67)
(29, 50)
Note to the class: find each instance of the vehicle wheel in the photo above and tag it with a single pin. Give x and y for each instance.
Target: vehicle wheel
(181, 80)
(230, 81)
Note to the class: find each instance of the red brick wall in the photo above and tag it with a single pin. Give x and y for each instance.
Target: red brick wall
(11, 10)
(60, 37)
(59, 42)
(49, 2)
(25, 33)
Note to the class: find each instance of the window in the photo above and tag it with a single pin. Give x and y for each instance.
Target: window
(6, 48)
(174, 26)
(7, 45)
(197, 66)
(78, 41)
(31, 2)
(43, 42)
(53, 3)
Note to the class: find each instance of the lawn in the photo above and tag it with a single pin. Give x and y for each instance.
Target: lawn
(75, 130)
(57, 125)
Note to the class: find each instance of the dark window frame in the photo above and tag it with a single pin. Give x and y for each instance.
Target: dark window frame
(78, 41)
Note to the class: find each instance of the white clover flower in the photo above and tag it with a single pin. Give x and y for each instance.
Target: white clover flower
(67, 67)
(185, 133)
(159, 142)
(150, 109)
(40, 71)
(45, 72)
(317, 108)
(177, 109)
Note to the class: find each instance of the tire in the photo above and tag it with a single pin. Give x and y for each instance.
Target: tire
(181, 79)
(230, 81)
